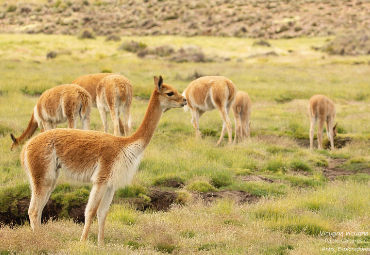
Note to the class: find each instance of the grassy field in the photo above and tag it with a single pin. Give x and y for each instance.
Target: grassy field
(297, 209)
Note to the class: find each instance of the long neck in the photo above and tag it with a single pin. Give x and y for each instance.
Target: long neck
(150, 122)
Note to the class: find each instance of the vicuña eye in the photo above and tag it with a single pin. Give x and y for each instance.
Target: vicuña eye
(170, 94)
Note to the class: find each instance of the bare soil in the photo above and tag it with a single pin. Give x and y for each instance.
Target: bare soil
(339, 142)
(333, 170)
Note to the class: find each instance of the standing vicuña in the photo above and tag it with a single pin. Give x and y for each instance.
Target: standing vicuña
(207, 93)
(108, 161)
(57, 105)
(114, 94)
(242, 109)
(322, 108)
(90, 83)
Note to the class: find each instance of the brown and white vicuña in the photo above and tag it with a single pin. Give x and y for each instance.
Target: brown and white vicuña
(114, 95)
(207, 93)
(57, 105)
(322, 109)
(242, 109)
(108, 161)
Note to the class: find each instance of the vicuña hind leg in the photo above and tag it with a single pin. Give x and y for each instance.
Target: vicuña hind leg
(329, 131)
(103, 115)
(195, 121)
(39, 197)
(320, 131)
(114, 113)
(226, 124)
(312, 131)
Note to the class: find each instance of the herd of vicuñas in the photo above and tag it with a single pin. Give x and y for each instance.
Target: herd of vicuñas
(109, 161)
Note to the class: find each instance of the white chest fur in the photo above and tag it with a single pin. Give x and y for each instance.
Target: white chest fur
(126, 165)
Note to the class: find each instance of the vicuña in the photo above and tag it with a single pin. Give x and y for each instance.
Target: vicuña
(114, 95)
(108, 161)
(90, 83)
(57, 105)
(207, 93)
(242, 109)
(322, 109)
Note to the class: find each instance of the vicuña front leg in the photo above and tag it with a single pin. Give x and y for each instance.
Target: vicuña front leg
(95, 198)
(103, 212)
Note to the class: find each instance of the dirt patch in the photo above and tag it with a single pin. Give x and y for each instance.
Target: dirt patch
(77, 213)
(20, 216)
(239, 196)
(339, 142)
(333, 171)
(256, 178)
(159, 200)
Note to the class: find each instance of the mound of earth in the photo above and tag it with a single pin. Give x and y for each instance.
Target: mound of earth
(160, 200)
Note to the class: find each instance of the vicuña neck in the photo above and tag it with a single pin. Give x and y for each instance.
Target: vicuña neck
(150, 122)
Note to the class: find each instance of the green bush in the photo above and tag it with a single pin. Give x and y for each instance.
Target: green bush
(298, 164)
(11, 8)
(86, 33)
(132, 46)
(200, 186)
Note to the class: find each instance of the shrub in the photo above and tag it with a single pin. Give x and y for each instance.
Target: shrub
(200, 186)
(131, 191)
(298, 164)
(11, 8)
(262, 43)
(86, 33)
(113, 37)
(355, 42)
(132, 46)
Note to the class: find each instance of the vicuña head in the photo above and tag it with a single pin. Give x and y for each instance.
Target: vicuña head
(108, 161)
(57, 105)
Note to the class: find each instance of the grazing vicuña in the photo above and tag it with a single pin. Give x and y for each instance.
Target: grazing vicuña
(90, 83)
(322, 109)
(207, 93)
(108, 161)
(114, 95)
(242, 109)
(57, 105)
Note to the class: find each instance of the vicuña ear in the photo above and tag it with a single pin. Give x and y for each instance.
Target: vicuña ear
(335, 125)
(158, 82)
(13, 138)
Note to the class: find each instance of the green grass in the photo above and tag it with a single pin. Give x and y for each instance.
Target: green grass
(291, 210)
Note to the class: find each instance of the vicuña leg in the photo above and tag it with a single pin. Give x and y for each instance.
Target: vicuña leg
(40, 195)
(114, 113)
(329, 131)
(103, 115)
(103, 212)
(226, 124)
(85, 119)
(195, 121)
(238, 129)
(320, 130)
(246, 127)
(96, 195)
(312, 131)
(126, 120)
